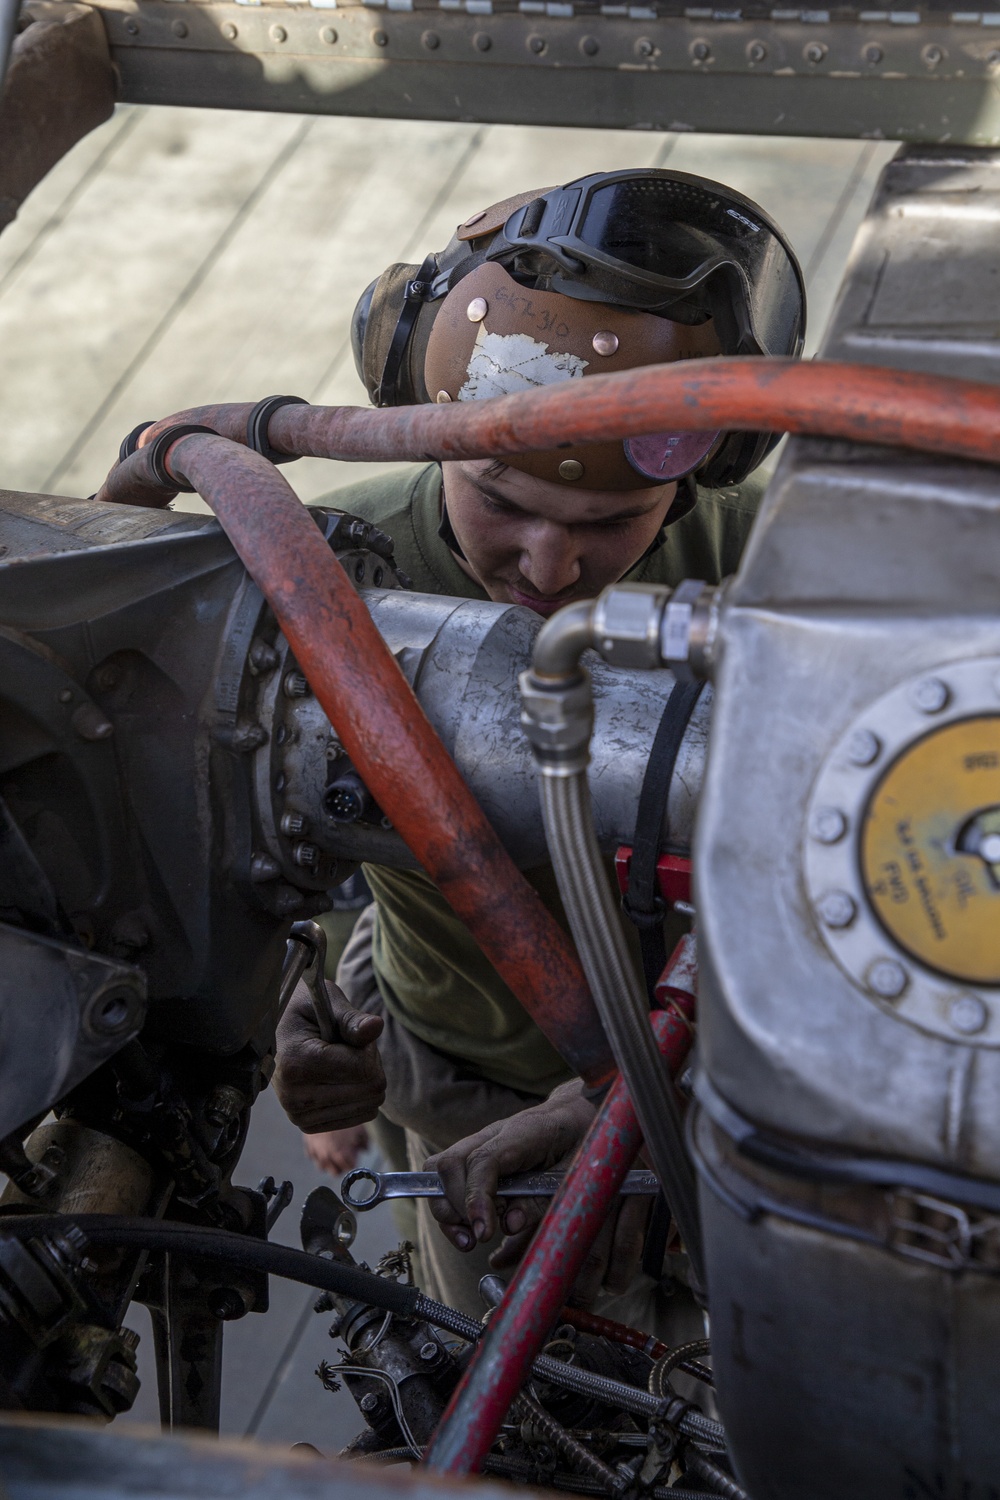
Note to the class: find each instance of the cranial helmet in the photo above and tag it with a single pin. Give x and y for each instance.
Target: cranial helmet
(610, 272)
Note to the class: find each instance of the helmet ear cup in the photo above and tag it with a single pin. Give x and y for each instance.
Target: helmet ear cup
(373, 325)
(736, 458)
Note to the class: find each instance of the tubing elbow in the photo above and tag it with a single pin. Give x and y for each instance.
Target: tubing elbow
(563, 640)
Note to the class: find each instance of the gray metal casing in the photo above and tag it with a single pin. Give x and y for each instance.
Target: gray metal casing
(866, 568)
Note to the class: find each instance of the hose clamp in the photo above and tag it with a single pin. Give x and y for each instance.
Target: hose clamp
(157, 451)
(130, 442)
(257, 425)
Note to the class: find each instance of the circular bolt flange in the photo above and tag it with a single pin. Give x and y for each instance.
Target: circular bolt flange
(814, 52)
(380, 38)
(756, 52)
(887, 978)
(932, 55)
(431, 40)
(645, 48)
(279, 34)
(132, 26)
(537, 44)
(930, 695)
(589, 46)
(700, 50)
(989, 848)
(110, 1011)
(967, 1015)
(863, 747)
(828, 825)
(179, 28)
(836, 909)
(482, 41)
(229, 31)
(872, 53)
(328, 35)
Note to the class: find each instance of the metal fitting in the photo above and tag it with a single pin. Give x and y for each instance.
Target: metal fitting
(627, 621)
(689, 630)
(557, 715)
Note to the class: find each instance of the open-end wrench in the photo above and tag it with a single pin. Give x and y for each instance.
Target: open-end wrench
(376, 1187)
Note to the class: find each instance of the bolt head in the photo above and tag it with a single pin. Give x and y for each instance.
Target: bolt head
(482, 41)
(989, 848)
(296, 685)
(828, 825)
(91, 724)
(930, 695)
(428, 1351)
(967, 1015)
(872, 53)
(756, 52)
(306, 855)
(932, 55)
(590, 46)
(279, 34)
(368, 1403)
(570, 469)
(380, 38)
(477, 309)
(229, 32)
(294, 824)
(887, 978)
(179, 28)
(863, 747)
(814, 52)
(700, 51)
(328, 35)
(537, 44)
(605, 343)
(443, 398)
(837, 909)
(644, 47)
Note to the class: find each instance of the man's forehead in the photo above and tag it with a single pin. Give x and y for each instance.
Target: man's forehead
(538, 497)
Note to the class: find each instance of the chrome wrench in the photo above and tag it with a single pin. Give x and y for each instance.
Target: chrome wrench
(363, 1189)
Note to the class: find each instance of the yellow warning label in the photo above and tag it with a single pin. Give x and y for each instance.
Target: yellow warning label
(930, 850)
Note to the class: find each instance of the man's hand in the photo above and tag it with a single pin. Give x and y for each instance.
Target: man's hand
(328, 1085)
(336, 1151)
(533, 1140)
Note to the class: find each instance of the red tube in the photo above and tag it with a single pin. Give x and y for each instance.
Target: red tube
(615, 1333)
(388, 737)
(860, 403)
(532, 1302)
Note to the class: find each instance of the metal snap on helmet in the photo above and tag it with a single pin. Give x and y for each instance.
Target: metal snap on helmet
(610, 272)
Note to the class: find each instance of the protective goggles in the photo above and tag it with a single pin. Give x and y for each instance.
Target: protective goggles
(666, 243)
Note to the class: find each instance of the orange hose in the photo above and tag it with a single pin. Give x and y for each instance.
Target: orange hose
(363, 693)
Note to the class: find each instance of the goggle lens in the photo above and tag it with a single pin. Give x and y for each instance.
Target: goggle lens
(663, 456)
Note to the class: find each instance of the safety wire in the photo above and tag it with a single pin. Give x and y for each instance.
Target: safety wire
(397, 1405)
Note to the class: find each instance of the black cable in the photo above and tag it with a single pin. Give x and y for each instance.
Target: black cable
(229, 1248)
(642, 902)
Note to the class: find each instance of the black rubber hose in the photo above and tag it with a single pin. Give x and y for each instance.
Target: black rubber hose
(228, 1248)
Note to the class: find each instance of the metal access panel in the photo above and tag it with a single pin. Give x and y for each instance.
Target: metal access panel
(897, 74)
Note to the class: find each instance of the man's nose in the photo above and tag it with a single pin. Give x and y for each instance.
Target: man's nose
(550, 560)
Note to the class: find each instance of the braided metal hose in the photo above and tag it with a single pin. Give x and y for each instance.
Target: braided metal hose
(573, 1451)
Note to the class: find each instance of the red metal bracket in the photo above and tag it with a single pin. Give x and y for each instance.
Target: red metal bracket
(672, 872)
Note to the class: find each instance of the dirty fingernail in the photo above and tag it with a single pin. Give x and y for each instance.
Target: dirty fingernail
(515, 1221)
(463, 1239)
(479, 1229)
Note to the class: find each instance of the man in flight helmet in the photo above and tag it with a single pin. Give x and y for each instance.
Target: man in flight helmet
(612, 271)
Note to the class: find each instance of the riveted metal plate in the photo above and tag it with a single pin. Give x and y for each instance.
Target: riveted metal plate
(902, 851)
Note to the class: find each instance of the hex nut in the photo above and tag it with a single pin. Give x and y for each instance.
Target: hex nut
(828, 825)
(836, 909)
(863, 747)
(967, 1015)
(930, 695)
(887, 978)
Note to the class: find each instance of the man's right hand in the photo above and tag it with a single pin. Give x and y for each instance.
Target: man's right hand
(328, 1085)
